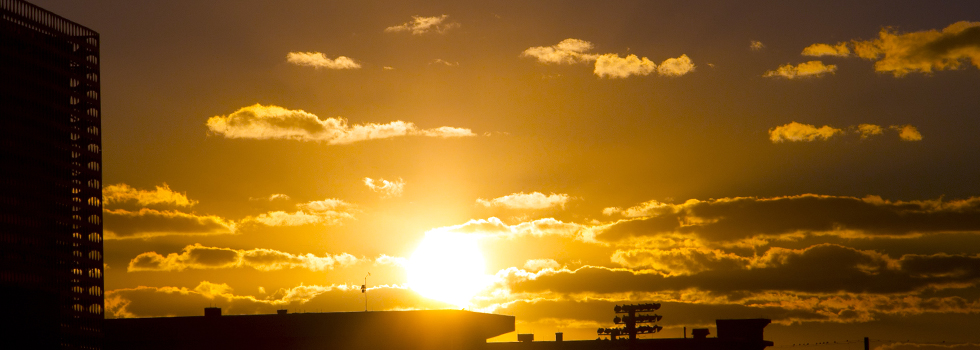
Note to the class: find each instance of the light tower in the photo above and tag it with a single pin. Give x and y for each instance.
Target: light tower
(631, 319)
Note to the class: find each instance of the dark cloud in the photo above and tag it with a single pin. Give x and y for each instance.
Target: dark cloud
(818, 269)
(733, 219)
(121, 223)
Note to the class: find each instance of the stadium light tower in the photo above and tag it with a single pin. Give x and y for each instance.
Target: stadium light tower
(631, 319)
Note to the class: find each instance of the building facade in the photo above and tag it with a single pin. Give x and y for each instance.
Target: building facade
(51, 263)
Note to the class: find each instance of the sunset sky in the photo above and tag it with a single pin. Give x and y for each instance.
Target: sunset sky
(811, 162)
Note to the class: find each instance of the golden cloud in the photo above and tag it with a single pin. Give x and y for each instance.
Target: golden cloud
(647, 208)
(387, 188)
(907, 132)
(494, 228)
(328, 212)
(146, 222)
(319, 60)
(675, 67)
(200, 257)
(801, 132)
(868, 130)
(119, 193)
(680, 261)
(822, 269)
(568, 51)
(610, 65)
(534, 200)
(421, 25)
(922, 51)
(274, 122)
(802, 70)
(839, 50)
(760, 220)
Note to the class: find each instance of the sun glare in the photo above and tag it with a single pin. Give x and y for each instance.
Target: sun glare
(448, 267)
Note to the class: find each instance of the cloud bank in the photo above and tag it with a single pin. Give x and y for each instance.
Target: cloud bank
(325, 212)
(534, 200)
(120, 193)
(200, 257)
(797, 132)
(922, 51)
(609, 65)
(274, 122)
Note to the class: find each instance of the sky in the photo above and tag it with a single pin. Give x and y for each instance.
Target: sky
(810, 162)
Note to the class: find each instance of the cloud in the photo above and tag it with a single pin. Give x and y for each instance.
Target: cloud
(387, 188)
(922, 51)
(495, 228)
(756, 45)
(120, 193)
(200, 257)
(644, 209)
(444, 62)
(804, 132)
(273, 122)
(325, 212)
(801, 132)
(675, 67)
(679, 261)
(319, 60)
(146, 222)
(541, 264)
(907, 132)
(747, 219)
(568, 51)
(818, 50)
(867, 130)
(534, 200)
(802, 70)
(610, 65)
(421, 25)
(818, 269)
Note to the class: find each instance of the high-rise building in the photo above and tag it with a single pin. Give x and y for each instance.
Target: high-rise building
(51, 263)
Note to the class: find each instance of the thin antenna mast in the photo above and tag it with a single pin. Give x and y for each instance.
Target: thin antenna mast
(364, 291)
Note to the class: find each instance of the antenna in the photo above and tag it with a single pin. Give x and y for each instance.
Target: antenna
(364, 291)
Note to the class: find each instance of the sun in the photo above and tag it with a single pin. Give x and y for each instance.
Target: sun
(447, 267)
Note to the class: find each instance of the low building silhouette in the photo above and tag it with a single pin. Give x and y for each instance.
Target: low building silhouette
(739, 334)
(410, 330)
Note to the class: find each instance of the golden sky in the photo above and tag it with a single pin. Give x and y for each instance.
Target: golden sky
(812, 162)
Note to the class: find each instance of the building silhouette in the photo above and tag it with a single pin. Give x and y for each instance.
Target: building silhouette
(50, 181)
(399, 330)
(737, 334)
(407, 330)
